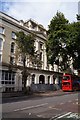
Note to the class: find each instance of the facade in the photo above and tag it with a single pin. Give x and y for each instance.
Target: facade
(78, 16)
(79, 8)
(40, 78)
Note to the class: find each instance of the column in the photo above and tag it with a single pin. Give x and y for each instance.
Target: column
(46, 79)
(36, 79)
(51, 79)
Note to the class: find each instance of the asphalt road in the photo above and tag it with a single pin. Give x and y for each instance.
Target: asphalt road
(51, 108)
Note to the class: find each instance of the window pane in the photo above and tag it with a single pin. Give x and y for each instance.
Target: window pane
(12, 47)
(66, 78)
(10, 76)
(6, 82)
(1, 43)
(40, 55)
(11, 60)
(0, 58)
(13, 76)
(2, 82)
(3, 75)
(13, 82)
(9, 82)
(13, 35)
(33, 78)
(6, 75)
(1, 30)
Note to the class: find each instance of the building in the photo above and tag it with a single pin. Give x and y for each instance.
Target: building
(78, 16)
(41, 78)
(79, 7)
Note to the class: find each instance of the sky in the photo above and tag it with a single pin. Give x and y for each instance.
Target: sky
(41, 11)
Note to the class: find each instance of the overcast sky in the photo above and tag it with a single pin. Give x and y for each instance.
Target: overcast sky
(41, 11)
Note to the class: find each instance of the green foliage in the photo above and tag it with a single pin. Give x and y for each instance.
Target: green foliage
(63, 41)
(74, 44)
(26, 47)
(57, 37)
(25, 43)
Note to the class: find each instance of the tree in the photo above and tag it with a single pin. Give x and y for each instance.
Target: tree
(73, 44)
(26, 48)
(56, 43)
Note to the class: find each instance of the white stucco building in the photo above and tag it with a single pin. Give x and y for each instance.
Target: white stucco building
(11, 66)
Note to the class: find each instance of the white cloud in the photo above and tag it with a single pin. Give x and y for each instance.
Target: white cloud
(41, 11)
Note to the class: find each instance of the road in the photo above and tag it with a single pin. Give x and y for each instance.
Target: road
(51, 108)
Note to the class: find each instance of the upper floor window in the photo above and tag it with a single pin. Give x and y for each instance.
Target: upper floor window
(1, 40)
(1, 30)
(40, 45)
(40, 55)
(12, 60)
(0, 58)
(12, 47)
(13, 35)
(20, 58)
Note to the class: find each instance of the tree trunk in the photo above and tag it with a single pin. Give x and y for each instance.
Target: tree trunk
(24, 76)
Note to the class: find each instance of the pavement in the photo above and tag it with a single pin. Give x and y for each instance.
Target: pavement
(52, 93)
(36, 95)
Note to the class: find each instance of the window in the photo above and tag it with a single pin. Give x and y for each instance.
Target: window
(6, 82)
(66, 78)
(0, 58)
(13, 35)
(8, 77)
(33, 78)
(12, 60)
(12, 47)
(13, 76)
(1, 30)
(40, 45)
(2, 82)
(1, 40)
(40, 55)
(20, 58)
(3, 75)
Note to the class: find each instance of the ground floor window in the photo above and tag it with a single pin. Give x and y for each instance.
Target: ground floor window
(8, 77)
(33, 79)
(9, 89)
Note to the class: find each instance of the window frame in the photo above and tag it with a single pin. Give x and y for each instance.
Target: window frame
(11, 60)
(1, 44)
(12, 47)
(13, 35)
(0, 58)
(2, 30)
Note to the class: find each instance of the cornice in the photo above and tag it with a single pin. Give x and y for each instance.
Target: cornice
(21, 27)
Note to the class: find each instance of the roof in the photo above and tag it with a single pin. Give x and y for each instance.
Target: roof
(40, 25)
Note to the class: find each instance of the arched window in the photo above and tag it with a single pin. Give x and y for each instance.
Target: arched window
(12, 47)
(1, 40)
